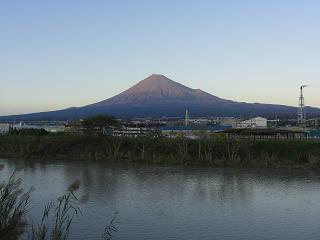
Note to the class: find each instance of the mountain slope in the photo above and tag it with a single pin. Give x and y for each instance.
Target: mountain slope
(158, 96)
(158, 89)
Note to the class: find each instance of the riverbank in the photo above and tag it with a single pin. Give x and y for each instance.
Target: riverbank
(214, 152)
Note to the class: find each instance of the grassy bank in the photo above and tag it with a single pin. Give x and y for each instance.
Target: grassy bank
(216, 152)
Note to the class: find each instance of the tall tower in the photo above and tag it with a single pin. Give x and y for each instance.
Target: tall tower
(186, 118)
(301, 111)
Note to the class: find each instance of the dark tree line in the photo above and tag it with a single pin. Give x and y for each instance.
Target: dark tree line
(99, 125)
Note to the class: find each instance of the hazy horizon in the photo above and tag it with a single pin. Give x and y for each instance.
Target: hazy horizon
(56, 55)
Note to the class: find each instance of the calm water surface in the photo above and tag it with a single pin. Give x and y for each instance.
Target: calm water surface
(180, 203)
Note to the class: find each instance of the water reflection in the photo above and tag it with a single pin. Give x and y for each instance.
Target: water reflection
(180, 203)
(161, 183)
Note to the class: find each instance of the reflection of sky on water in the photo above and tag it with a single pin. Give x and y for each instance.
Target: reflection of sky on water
(181, 203)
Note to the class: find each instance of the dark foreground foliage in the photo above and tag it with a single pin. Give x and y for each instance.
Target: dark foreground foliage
(56, 220)
(206, 151)
(13, 209)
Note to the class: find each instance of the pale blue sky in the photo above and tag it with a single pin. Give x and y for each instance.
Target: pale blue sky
(63, 53)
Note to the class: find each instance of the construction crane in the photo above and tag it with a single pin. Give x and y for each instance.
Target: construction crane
(301, 111)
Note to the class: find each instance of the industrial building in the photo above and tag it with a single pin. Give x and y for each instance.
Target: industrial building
(131, 131)
(4, 128)
(260, 134)
(191, 131)
(257, 122)
(48, 127)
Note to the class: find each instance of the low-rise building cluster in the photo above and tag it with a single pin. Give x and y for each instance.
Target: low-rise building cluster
(253, 128)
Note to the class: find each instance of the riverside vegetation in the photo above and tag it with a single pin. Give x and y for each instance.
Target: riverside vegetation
(215, 151)
(90, 142)
(57, 218)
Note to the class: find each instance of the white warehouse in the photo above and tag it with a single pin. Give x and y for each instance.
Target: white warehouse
(257, 122)
(4, 128)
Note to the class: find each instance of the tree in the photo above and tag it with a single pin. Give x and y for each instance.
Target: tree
(98, 124)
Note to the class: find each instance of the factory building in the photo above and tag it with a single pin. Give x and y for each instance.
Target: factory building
(192, 132)
(4, 128)
(131, 132)
(257, 122)
(48, 127)
(260, 134)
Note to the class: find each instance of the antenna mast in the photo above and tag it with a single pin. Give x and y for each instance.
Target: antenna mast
(186, 118)
(301, 111)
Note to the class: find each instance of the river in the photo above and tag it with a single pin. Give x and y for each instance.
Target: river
(155, 202)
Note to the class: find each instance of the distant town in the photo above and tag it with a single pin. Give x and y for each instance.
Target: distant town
(187, 126)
